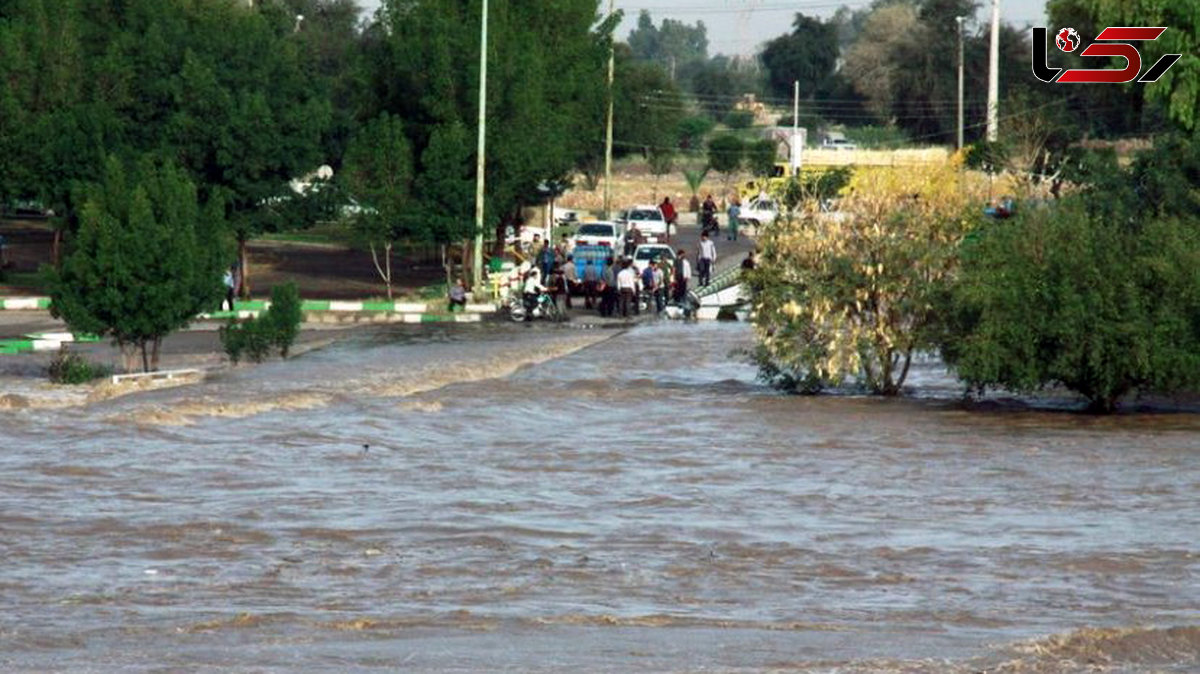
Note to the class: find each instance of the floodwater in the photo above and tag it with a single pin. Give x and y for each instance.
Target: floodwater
(543, 500)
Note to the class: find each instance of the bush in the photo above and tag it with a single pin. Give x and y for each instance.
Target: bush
(71, 368)
(739, 119)
(284, 317)
(884, 137)
(277, 327)
(1059, 296)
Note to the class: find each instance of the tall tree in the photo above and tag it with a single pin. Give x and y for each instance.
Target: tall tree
(379, 174)
(147, 259)
(546, 66)
(673, 45)
(808, 54)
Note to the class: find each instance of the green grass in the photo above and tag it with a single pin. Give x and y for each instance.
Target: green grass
(329, 233)
(33, 281)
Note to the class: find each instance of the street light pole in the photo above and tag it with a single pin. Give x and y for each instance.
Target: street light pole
(608, 142)
(993, 120)
(480, 161)
(960, 81)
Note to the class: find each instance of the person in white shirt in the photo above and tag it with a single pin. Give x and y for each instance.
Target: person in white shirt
(571, 278)
(683, 274)
(627, 286)
(706, 259)
(533, 288)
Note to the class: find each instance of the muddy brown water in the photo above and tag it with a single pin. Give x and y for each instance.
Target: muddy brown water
(538, 500)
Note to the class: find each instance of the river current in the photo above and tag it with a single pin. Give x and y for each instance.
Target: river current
(542, 500)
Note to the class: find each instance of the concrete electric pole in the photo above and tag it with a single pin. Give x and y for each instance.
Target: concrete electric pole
(993, 112)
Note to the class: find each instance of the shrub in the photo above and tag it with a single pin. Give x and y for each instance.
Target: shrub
(1058, 296)
(71, 368)
(277, 327)
(739, 119)
(284, 317)
(885, 137)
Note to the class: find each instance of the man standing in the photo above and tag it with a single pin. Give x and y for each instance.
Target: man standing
(683, 274)
(631, 239)
(669, 214)
(546, 260)
(660, 289)
(627, 285)
(648, 282)
(591, 278)
(571, 277)
(706, 258)
(608, 289)
(735, 212)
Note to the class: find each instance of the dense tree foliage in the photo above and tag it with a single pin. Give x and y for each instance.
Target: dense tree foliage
(545, 103)
(148, 258)
(378, 173)
(808, 54)
(1096, 292)
(854, 295)
(1178, 91)
(226, 91)
(673, 45)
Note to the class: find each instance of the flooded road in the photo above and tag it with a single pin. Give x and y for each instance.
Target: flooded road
(529, 500)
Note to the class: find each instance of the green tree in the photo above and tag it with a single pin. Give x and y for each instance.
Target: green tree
(672, 45)
(1061, 297)
(379, 173)
(547, 66)
(808, 54)
(761, 156)
(661, 162)
(148, 258)
(725, 156)
(855, 295)
(1179, 88)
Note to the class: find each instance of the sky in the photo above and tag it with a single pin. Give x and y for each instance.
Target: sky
(741, 26)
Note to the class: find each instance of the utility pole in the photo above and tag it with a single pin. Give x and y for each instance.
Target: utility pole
(480, 160)
(795, 144)
(993, 119)
(608, 143)
(960, 81)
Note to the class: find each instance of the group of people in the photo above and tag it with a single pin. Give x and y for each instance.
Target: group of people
(611, 287)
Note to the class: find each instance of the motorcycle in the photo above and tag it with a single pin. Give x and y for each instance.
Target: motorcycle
(709, 224)
(546, 307)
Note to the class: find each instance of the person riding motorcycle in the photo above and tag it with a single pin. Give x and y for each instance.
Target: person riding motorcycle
(533, 287)
(708, 216)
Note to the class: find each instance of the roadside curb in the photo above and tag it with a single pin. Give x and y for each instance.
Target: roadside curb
(251, 308)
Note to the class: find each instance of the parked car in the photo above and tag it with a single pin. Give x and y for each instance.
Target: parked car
(838, 144)
(650, 222)
(600, 234)
(758, 212)
(652, 251)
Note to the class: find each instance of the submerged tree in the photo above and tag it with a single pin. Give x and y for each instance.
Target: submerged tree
(1096, 292)
(854, 294)
(148, 258)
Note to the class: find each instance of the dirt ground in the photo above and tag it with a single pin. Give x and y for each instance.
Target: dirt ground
(319, 270)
